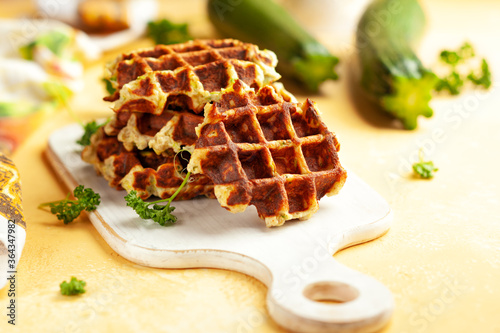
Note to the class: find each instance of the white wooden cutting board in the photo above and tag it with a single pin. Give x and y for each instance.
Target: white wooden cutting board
(295, 261)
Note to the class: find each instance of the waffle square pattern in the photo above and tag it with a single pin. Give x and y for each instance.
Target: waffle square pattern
(186, 75)
(170, 130)
(144, 171)
(259, 149)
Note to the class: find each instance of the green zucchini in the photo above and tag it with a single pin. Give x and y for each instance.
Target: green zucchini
(391, 72)
(267, 24)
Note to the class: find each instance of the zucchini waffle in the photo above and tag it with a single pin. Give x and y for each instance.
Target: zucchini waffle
(186, 75)
(261, 150)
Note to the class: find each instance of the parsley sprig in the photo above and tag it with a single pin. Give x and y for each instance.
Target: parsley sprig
(424, 169)
(453, 82)
(109, 86)
(73, 287)
(161, 214)
(165, 32)
(453, 58)
(455, 79)
(484, 79)
(88, 130)
(68, 210)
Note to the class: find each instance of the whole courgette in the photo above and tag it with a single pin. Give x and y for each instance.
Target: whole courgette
(267, 24)
(391, 72)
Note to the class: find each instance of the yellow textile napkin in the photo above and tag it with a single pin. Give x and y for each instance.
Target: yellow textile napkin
(12, 222)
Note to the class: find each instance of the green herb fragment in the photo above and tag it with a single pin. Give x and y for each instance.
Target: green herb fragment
(165, 32)
(466, 51)
(68, 210)
(423, 169)
(453, 58)
(89, 129)
(73, 287)
(484, 79)
(452, 83)
(450, 57)
(161, 214)
(109, 86)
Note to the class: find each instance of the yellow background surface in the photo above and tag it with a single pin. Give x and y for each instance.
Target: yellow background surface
(440, 259)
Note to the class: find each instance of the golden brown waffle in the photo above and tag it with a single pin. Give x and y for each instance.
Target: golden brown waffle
(144, 171)
(170, 130)
(130, 66)
(185, 76)
(261, 150)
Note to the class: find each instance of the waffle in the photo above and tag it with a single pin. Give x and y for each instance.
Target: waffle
(130, 66)
(185, 76)
(171, 129)
(261, 150)
(143, 170)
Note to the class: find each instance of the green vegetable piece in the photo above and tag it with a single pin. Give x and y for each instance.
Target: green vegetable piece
(450, 57)
(311, 69)
(165, 32)
(452, 83)
(391, 73)
(109, 86)
(55, 41)
(73, 287)
(453, 58)
(89, 129)
(68, 210)
(268, 25)
(410, 99)
(467, 51)
(423, 169)
(485, 78)
(161, 214)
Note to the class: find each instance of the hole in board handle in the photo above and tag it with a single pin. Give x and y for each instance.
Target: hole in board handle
(330, 292)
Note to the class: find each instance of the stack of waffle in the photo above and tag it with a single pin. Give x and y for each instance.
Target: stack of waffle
(159, 98)
(213, 107)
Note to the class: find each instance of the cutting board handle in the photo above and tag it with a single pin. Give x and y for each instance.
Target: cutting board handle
(311, 292)
(328, 297)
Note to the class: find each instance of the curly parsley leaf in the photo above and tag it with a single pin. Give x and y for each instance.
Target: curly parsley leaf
(424, 169)
(455, 79)
(165, 32)
(484, 79)
(89, 129)
(161, 214)
(453, 58)
(73, 287)
(67, 210)
(449, 57)
(109, 86)
(453, 83)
